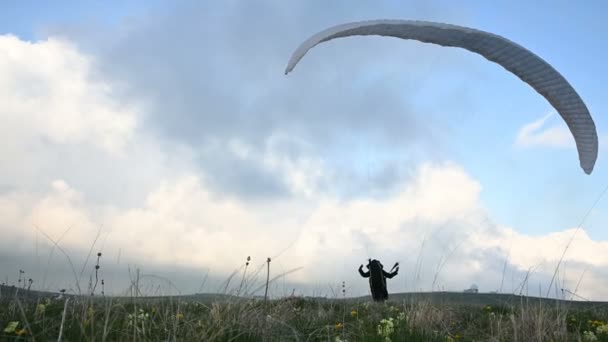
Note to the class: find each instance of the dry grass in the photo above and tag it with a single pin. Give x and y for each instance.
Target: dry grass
(86, 318)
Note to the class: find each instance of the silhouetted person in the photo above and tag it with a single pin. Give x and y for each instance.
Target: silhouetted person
(377, 278)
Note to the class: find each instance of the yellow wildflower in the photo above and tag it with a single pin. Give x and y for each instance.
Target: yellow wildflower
(21, 332)
(40, 309)
(179, 316)
(339, 325)
(11, 327)
(353, 313)
(602, 329)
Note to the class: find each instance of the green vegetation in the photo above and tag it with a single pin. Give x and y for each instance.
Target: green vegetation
(31, 315)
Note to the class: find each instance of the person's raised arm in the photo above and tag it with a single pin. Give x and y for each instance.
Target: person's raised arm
(392, 274)
(363, 274)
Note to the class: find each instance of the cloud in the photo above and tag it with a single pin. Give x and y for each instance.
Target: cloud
(211, 74)
(537, 133)
(186, 168)
(47, 91)
(540, 133)
(437, 217)
(59, 120)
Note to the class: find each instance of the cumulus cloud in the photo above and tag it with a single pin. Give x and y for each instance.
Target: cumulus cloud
(185, 169)
(47, 92)
(435, 220)
(213, 73)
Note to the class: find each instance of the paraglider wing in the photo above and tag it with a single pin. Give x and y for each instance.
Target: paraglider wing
(524, 64)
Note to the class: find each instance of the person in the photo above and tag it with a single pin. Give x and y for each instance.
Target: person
(377, 278)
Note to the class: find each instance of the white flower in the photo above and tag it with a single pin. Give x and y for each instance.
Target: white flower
(589, 336)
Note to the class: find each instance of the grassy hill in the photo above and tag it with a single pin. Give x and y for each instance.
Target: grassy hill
(430, 316)
(436, 298)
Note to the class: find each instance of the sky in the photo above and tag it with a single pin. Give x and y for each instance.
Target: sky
(165, 135)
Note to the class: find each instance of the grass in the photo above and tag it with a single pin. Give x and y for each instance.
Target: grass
(241, 316)
(42, 316)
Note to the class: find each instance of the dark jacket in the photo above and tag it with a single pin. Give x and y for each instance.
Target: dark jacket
(377, 279)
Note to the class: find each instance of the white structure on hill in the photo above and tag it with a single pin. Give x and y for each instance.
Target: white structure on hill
(472, 289)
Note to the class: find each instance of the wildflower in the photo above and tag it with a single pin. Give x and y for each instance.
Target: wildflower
(141, 317)
(339, 325)
(21, 332)
(142, 314)
(602, 329)
(401, 317)
(386, 328)
(11, 327)
(353, 313)
(40, 309)
(589, 336)
(456, 337)
(179, 316)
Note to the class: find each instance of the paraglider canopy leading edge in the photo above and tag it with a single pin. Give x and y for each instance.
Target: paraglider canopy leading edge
(530, 68)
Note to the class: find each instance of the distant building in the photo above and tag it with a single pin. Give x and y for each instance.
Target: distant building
(472, 289)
